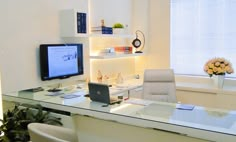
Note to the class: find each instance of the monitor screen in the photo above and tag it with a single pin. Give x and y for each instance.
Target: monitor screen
(60, 60)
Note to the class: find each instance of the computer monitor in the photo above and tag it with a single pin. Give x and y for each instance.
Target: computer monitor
(59, 61)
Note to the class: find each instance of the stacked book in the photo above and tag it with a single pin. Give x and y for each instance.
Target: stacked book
(81, 23)
(107, 51)
(102, 30)
(124, 49)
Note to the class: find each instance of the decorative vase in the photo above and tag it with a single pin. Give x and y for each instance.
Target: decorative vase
(119, 79)
(218, 81)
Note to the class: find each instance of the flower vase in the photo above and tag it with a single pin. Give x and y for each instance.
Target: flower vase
(219, 81)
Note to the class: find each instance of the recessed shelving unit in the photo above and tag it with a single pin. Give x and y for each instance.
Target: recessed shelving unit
(70, 25)
(116, 56)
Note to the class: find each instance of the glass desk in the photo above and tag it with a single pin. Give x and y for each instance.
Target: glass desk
(204, 123)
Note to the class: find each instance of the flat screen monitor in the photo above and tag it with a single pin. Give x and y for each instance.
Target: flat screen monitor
(59, 61)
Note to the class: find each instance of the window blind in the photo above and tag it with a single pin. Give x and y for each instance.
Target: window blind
(201, 30)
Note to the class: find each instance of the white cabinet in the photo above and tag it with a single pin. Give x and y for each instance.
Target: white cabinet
(70, 23)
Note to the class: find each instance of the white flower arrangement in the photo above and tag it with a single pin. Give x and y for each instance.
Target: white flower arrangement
(218, 66)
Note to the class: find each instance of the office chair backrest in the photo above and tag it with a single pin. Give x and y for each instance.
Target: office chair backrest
(159, 85)
(49, 133)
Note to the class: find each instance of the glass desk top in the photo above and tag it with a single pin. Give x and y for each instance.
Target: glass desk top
(207, 119)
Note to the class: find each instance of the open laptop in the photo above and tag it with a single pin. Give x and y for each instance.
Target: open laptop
(100, 93)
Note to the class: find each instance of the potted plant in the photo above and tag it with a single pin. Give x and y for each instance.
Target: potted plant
(15, 121)
(118, 28)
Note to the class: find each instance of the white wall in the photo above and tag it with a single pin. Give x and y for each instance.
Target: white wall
(28, 23)
(159, 34)
(140, 21)
(24, 25)
(153, 17)
(111, 11)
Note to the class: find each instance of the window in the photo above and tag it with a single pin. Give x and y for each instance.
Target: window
(201, 30)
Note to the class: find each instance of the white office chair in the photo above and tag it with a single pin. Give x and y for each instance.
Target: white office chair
(159, 85)
(49, 133)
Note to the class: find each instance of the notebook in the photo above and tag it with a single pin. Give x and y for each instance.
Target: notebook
(185, 106)
(100, 93)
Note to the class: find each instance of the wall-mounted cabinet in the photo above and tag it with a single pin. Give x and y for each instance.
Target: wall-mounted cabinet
(73, 23)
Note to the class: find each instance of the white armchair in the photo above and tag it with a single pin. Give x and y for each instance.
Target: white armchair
(159, 85)
(49, 133)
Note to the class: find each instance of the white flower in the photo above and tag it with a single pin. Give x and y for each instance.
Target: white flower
(218, 66)
(210, 72)
(217, 63)
(222, 65)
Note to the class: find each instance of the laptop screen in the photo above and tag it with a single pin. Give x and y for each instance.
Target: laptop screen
(99, 92)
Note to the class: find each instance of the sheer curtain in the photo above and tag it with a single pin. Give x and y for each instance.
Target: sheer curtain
(201, 30)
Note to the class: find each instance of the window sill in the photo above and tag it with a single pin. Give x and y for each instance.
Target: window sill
(205, 85)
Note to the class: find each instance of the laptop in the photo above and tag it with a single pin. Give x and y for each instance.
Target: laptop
(100, 93)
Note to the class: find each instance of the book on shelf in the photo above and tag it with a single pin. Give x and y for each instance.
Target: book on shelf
(81, 23)
(102, 30)
(124, 49)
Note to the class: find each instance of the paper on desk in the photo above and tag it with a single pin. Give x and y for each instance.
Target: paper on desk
(73, 95)
(54, 93)
(138, 102)
(70, 96)
(184, 106)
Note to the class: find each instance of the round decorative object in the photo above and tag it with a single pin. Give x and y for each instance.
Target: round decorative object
(136, 43)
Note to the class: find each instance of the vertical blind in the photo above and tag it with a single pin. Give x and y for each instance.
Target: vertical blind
(201, 30)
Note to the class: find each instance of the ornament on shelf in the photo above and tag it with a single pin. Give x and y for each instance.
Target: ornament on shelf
(119, 79)
(87, 80)
(99, 76)
(105, 80)
(137, 43)
(102, 23)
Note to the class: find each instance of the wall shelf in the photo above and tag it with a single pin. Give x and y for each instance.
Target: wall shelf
(112, 35)
(77, 35)
(116, 56)
(101, 35)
